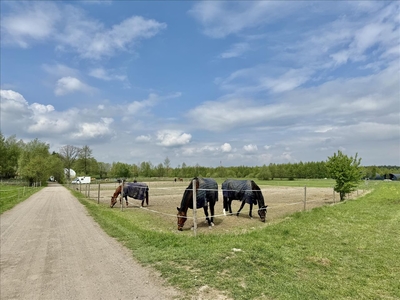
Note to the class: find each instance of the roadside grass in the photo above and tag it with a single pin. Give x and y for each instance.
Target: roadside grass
(11, 195)
(346, 251)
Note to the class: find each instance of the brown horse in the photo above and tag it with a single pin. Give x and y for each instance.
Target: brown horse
(135, 190)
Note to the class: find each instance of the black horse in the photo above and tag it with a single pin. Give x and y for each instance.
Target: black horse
(206, 194)
(247, 191)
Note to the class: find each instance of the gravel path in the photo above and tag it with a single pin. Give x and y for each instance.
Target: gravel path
(50, 248)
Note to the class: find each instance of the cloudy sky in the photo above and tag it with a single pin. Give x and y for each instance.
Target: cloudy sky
(213, 82)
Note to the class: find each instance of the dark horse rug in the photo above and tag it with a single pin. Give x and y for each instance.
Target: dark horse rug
(208, 190)
(239, 190)
(247, 191)
(136, 190)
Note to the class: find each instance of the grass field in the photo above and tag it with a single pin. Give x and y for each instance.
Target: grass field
(11, 195)
(345, 251)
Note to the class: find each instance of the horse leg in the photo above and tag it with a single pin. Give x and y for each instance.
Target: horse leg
(251, 211)
(207, 218)
(212, 210)
(241, 206)
(206, 213)
(126, 200)
(225, 206)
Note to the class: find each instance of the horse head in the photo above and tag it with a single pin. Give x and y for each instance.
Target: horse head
(185, 204)
(114, 197)
(113, 201)
(181, 218)
(262, 212)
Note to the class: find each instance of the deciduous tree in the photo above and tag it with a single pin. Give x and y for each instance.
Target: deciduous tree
(346, 171)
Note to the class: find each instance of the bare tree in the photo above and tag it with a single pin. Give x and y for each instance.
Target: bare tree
(84, 159)
(69, 154)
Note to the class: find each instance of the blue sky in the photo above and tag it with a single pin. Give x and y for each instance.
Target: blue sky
(209, 83)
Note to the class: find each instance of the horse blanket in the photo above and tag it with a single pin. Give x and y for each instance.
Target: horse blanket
(208, 190)
(239, 190)
(136, 190)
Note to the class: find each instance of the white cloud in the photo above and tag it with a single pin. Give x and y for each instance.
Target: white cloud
(173, 138)
(251, 148)
(60, 70)
(41, 109)
(67, 85)
(101, 73)
(88, 130)
(226, 147)
(220, 19)
(92, 40)
(236, 50)
(73, 29)
(29, 22)
(143, 138)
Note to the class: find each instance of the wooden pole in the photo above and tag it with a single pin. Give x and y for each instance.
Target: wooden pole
(98, 194)
(305, 197)
(122, 195)
(194, 207)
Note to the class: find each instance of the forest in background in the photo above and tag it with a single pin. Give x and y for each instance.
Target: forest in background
(33, 162)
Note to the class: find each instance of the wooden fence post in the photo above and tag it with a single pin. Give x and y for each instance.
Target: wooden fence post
(98, 195)
(194, 207)
(305, 197)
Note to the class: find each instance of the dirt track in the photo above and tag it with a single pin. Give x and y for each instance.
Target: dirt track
(51, 249)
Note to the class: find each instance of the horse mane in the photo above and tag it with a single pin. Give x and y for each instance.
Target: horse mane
(188, 196)
(258, 194)
(117, 191)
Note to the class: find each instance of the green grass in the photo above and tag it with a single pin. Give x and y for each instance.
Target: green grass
(346, 251)
(11, 195)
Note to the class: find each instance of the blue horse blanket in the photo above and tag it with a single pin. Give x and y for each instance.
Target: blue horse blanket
(136, 190)
(239, 190)
(208, 190)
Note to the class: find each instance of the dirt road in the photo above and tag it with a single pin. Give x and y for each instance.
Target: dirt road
(51, 249)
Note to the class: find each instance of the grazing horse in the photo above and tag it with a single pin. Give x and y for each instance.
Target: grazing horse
(135, 190)
(247, 191)
(206, 193)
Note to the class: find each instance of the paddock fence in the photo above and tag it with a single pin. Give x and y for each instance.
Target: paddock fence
(165, 197)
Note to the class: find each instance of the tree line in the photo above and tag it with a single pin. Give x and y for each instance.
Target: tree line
(33, 162)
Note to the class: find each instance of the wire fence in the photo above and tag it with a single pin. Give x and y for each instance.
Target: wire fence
(164, 197)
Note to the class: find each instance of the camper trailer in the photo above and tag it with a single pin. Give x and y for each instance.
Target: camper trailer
(81, 179)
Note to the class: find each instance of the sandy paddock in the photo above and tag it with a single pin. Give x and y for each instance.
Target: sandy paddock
(165, 196)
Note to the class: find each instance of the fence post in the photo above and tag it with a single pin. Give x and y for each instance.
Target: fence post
(194, 208)
(305, 197)
(98, 195)
(122, 195)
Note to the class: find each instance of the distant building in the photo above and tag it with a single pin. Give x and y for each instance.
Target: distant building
(394, 176)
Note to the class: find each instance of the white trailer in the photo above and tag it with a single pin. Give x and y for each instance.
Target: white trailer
(81, 179)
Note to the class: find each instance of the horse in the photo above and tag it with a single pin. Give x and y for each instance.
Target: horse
(247, 191)
(206, 194)
(135, 190)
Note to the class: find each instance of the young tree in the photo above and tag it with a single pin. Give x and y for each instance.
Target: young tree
(346, 171)
(33, 162)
